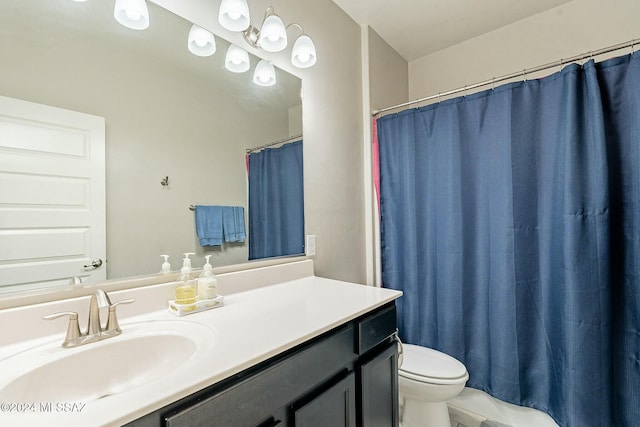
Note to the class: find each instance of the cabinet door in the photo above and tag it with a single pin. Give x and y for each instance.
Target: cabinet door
(379, 389)
(335, 407)
(255, 398)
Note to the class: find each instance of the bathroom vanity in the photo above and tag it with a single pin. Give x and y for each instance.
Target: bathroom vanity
(287, 349)
(344, 375)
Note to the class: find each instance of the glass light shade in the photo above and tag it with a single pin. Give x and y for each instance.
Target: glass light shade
(303, 54)
(264, 74)
(201, 42)
(234, 15)
(79, 1)
(273, 35)
(236, 60)
(132, 14)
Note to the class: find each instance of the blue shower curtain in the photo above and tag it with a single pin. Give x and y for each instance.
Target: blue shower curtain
(510, 219)
(276, 202)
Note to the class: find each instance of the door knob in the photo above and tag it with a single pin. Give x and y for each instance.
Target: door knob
(96, 263)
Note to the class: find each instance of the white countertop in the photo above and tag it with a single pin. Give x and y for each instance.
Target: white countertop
(251, 327)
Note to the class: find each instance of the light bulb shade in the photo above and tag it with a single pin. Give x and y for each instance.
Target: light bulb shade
(273, 35)
(236, 60)
(264, 74)
(303, 54)
(234, 15)
(201, 42)
(132, 14)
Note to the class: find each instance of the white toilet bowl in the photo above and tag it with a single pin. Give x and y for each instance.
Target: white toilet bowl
(426, 380)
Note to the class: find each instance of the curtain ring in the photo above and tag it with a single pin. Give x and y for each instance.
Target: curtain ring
(439, 98)
(633, 44)
(493, 83)
(524, 74)
(465, 91)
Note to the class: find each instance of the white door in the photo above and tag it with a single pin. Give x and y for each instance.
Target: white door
(52, 195)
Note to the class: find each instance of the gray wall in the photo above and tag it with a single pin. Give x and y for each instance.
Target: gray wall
(567, 30)
(388, 85)
(388, 74)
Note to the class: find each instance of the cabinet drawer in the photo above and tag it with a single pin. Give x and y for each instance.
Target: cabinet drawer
(375, 328)
(252, 400)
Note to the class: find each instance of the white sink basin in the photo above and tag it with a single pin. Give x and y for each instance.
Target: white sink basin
(144, 352)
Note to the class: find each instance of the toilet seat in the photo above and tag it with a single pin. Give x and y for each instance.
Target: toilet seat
(431, 366)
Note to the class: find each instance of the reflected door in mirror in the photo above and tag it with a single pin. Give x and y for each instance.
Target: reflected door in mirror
(52, 202)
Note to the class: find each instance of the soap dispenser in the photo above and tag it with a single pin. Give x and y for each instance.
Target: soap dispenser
(185, 291)
(207, 282)
(166, 267)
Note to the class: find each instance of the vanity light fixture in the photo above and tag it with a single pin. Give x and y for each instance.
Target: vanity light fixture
(132, 14)
(237, 59)
(264, 74)
(303, 54)
(272, 36)
(201, 42)
(234, 15)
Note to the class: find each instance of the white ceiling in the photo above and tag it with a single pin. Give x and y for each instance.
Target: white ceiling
(416, 28)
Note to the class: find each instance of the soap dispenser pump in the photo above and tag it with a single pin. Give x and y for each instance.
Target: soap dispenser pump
(207, 282)
(186, 290)
(166, 267)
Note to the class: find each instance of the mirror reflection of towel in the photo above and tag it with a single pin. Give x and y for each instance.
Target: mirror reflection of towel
(233, 223)
(217, 223)
(209, 225)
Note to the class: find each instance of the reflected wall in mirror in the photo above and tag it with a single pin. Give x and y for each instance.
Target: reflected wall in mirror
(167, 112)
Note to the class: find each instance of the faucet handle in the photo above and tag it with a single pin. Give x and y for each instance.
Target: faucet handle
(124, 301)
(113, 328)
(73, 330)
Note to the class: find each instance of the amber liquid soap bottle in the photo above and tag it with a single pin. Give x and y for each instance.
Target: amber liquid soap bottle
(186, 285)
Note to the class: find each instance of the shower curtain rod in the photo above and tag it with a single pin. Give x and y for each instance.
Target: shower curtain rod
(522, 73)
(282, 141)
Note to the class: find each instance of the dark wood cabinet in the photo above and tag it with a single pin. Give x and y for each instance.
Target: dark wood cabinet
(335, 407)
(346, 377)
(379, 389)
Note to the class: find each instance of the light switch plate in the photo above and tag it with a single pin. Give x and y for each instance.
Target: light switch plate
(310, 247)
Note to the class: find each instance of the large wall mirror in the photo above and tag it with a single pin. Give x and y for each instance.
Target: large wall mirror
(168, 114)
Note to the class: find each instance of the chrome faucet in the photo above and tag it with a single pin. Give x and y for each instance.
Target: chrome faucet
(95, 331)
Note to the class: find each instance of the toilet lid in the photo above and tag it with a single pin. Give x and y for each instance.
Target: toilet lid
(426, 362)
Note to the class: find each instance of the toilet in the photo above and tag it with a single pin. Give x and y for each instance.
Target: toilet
(426, 380)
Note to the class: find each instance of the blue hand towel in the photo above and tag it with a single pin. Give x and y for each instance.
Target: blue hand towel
(209, 225)
(233, 223)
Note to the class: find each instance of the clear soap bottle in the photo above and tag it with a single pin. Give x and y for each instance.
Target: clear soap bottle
(207, 282)
(186, 290)
(166, 267)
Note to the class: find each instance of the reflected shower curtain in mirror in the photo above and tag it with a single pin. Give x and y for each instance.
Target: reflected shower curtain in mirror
(276, 202)
(510, 219)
